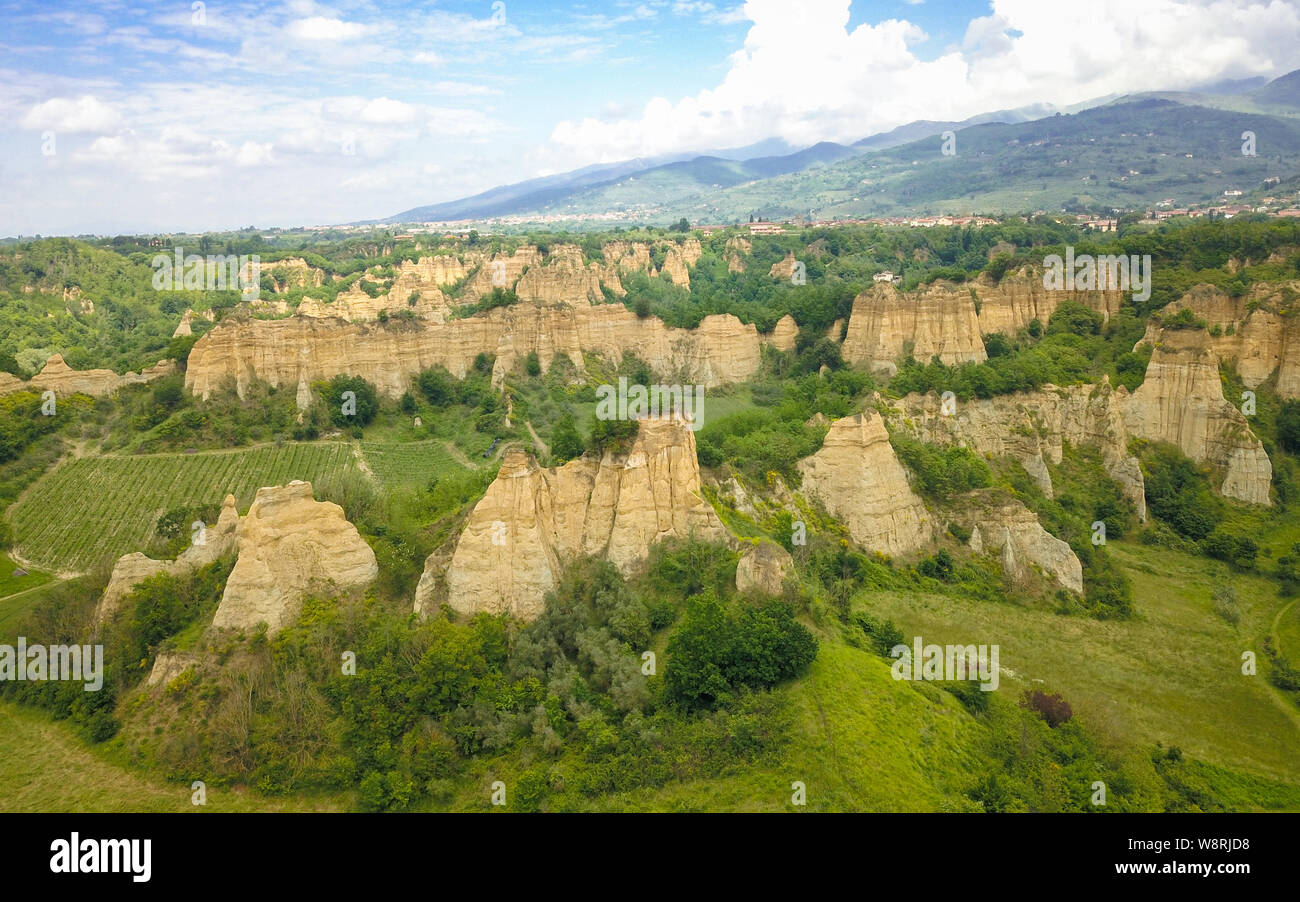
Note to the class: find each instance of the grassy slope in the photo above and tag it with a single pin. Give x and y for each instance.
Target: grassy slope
(1171, 675)
(44, 766)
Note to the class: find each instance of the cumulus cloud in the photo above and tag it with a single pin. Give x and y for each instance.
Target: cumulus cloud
(85, 114)
(804, 75)
(321, 28)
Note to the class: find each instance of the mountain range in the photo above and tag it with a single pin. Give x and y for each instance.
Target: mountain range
(1112, 152)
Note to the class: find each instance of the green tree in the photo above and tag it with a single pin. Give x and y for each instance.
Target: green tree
(566, 441)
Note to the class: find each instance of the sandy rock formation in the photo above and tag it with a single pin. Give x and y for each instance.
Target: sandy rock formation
(133, 569)
(532, 520)
(1033, 427)
(62, 379)
(763, 567)
(1009, 305)
(563, 279)
(783, 334)
(502, 271)
(941, 318)
(1181, 401)
(735, 252)
(168, 666)
(290, 273)
(861, 482)
(782, 270)
(288, 543)
(1012, 531)
(184, 327)
(300, 350)
(677, 262)
(937, 320)
(628, 256)
(1258, 331)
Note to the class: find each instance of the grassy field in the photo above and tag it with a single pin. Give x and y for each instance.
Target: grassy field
(1171, 675)
(44, 766)
(408, 464)
(12, 585)
(91, 509)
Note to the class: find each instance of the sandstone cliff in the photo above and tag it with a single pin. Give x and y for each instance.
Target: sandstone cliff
(1009, 305)
(861, 482)
(941, 318)
(782, 270)
(1181, 401)
(532, 520)
(784, 334)
(290, 273)
(1012, 531)
(938, 320)
(132, 569)
(1033, 427)
(1258, 332)
(735, 252)
(58, 377)
(296, 351)
(288, 544)
(763, 567)
(679, 259)
(563, 279)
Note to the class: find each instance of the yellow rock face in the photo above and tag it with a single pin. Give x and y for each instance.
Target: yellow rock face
(58, 377)
(288, 544)
(941, 319)
(1181, 401)
(299, 350)
(857, 476)
(531, 520)
(1033, 427)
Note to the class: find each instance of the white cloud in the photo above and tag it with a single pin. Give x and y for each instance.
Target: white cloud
(804, 76)
(85, 114)
(383, 111)
(321, 28)
(251, 153)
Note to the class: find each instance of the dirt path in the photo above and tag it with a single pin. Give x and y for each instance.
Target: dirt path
(362, 464)
(537, 439)
(458, 455)
(44, 585)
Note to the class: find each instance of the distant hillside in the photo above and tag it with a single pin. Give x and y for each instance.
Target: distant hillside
(1121, 155)
(1121, 152)
(1280, 92)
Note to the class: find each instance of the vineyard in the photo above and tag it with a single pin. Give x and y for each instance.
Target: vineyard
(408, 464)
(92, 509)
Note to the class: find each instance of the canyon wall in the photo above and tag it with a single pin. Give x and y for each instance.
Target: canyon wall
(296, 351)
(1033, 427)
(532, 520)
(858, 478)
(947, 320)
(1181, 401)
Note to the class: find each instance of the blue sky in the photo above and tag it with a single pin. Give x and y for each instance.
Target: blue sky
(179, 115)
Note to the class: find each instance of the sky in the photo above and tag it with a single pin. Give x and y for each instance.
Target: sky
(189, 116)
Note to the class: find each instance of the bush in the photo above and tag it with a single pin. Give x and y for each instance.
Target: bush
(942, 472)
(355, 411)
(1052, 707)
(1225, 604)
(714, 654)
(566, 441)
(1177, 492)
